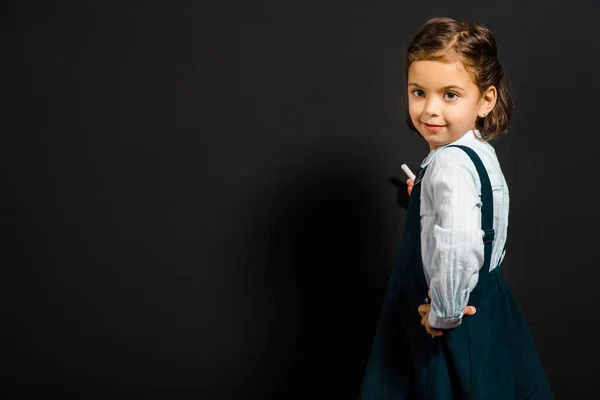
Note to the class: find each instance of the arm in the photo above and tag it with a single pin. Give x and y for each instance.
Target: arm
(455, 250)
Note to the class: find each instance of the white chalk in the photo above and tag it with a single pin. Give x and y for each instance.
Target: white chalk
(408, 172)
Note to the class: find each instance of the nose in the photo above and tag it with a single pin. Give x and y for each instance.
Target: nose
(432, 107)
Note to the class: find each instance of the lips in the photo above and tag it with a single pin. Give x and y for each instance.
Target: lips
(433, 128)
(432, 125)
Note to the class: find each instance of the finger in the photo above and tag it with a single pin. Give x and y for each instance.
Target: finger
(470, 310)
(433, 331)
(424, 309)
(430, 329)
(429, 293)
(410, 182)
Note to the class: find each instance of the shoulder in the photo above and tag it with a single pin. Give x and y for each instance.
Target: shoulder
(451, 169)
(453, 159)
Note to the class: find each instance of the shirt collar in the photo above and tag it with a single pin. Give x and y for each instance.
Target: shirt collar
(471, 134)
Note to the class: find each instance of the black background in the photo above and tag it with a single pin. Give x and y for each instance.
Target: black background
(198, 203)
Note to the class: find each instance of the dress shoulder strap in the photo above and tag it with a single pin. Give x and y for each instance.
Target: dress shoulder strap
(487, 219)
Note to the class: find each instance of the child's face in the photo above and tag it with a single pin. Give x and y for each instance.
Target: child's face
(444, 102)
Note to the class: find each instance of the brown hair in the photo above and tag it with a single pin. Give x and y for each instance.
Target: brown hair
(447, 40)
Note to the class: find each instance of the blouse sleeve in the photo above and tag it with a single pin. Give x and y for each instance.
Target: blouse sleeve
(456, 246)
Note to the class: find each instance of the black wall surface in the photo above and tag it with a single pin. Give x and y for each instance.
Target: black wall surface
(197, 197)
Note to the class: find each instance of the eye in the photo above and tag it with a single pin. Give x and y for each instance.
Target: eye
(418, 93)
(450, 95)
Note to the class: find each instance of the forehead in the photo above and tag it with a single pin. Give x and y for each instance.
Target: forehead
(437, 74)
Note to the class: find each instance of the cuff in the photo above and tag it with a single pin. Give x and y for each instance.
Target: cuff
(443, 323)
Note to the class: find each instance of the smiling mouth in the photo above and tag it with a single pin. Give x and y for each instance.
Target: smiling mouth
(433, 128)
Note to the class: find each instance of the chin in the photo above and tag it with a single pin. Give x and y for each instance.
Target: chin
(435, 143)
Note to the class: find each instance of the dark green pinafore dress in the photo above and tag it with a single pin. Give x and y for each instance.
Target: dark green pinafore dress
(489, 356)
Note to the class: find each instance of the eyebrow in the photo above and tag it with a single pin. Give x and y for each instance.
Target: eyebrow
(444, 88)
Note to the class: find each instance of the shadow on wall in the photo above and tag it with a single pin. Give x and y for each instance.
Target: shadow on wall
(324, 250)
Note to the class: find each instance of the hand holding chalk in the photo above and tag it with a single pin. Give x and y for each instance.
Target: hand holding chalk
(408, 172)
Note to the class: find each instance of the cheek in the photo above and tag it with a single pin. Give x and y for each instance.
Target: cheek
(459, 116)
(414, 109)
(454, 114)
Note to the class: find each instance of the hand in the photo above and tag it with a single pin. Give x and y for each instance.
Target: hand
(410, 184)
(424, 312)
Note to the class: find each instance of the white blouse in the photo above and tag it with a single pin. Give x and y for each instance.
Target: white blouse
(451, 235)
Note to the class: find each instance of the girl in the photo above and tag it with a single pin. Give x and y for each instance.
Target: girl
(449, 327)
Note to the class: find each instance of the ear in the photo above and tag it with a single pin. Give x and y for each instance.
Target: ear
(488, 101)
